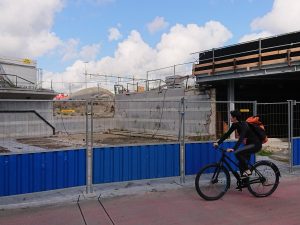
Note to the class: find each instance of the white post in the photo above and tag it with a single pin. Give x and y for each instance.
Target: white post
(230, 98)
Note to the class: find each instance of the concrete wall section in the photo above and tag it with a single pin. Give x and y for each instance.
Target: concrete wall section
(25, 124)
(160, 112)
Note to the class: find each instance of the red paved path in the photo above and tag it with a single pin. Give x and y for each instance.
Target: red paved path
(182, 206)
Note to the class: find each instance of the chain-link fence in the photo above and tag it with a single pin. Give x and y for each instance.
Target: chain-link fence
(37, 125)
(275, 117)
(140, 121)
(69, 116)
(209, 120)
(296, 119)
(22, 120)
(132, 122)
(45, 125)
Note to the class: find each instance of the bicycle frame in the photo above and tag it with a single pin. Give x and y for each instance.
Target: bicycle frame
(224, 161)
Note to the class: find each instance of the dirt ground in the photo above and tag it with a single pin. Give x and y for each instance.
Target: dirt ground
(79, 140)
(278, 148)
(3, 150)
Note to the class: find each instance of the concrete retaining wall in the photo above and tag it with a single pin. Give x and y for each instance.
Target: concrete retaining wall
(25, 124)
(148, 112)
(161, 114)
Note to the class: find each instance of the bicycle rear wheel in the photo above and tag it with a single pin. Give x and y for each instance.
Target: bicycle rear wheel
(212, 181)
(264, 179)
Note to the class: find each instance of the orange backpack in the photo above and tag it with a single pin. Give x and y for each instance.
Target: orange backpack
(258, 128)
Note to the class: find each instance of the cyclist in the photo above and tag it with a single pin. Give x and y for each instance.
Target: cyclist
(247, 136)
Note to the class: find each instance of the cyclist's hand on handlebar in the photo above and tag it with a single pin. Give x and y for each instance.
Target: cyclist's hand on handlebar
(230, 150)
(216, 145)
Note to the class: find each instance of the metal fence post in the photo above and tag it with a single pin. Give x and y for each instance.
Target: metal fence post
(182, 142)
(91, 147)
(254, 114)
(89, 188)
(254, 108)
(290, 127)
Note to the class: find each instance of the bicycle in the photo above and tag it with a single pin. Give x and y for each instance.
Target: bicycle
(213, 180)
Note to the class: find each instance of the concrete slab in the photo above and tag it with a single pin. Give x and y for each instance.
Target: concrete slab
(48, 215)
(93, 213)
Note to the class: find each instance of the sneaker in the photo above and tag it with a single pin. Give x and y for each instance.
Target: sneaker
(246, 174)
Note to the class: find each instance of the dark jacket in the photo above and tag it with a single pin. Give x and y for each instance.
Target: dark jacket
(244, 131)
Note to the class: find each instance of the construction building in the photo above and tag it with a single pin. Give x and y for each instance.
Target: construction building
(264, 70)
(21, 99)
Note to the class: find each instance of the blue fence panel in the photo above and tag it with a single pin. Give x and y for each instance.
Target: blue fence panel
(198, 155)
(296, 151)
(33, 172)
(114, 164)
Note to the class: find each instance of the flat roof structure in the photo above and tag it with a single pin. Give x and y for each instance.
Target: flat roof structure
(19, 80)
(25, 93)
(267, 64)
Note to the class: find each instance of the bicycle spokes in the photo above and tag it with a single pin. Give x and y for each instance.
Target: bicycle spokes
(263, 180)
(212, 182)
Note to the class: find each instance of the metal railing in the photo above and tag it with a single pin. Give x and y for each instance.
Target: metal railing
(17, 81)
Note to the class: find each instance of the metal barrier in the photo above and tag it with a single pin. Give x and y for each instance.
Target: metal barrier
(200, 154)
(295, 133)
(276, 118)
(296, 152)
(124, 163)
(35, 172)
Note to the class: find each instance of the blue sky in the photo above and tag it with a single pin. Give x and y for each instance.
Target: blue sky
(90, 21)
(118, 37)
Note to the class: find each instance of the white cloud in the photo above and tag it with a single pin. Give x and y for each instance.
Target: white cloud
(157, 24)
(71, 77)
(99, 2)
(114, 34)
(133, 56)
(26, 27)
(283, 18)
(176, 45)
(70, 51)
(255, 36)
(89, 52)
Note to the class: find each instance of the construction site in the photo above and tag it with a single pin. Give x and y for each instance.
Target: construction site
(149, 110)
(148, 128)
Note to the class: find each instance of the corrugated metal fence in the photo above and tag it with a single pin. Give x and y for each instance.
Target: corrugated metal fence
(115, 164)
(34, 172)
(296, 151)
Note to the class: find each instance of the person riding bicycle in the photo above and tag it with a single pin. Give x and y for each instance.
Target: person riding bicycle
(246, 135)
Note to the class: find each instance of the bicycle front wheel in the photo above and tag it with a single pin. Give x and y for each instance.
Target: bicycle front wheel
(264, 179)
(212, 181)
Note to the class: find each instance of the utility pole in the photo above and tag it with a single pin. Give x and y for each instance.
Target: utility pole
(85, 73)
(147, 81)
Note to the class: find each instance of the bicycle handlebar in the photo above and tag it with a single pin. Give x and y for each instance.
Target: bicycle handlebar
(221, 149)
